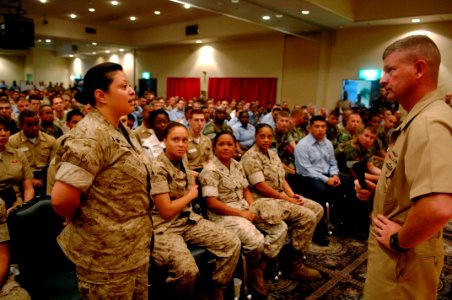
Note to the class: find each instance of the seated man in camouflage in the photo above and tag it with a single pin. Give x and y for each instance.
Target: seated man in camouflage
(353, 126)
(218, 124)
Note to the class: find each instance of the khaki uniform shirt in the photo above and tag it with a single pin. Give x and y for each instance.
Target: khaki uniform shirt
(38, 151)
(4, 233)
(111, 232)
(416, 165)
(199, 152)
(143, 132)
(14, 169)
(166, 178)
(261, 167)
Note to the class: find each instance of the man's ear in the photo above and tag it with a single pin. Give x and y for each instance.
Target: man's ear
(99, 95)
(421, 68)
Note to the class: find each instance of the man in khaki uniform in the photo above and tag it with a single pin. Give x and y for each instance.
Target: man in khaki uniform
(199, 146)
(145, 131)
(37, 146)
(9, 289)
(413, 199)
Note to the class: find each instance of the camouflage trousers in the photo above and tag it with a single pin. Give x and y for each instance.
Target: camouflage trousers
(254, 242)
(170, 251)
(302, 221)
(12, 291)
(119, 286)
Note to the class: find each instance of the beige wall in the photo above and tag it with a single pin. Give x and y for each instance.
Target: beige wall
(356, 49)
(12, 68)
(253, 57)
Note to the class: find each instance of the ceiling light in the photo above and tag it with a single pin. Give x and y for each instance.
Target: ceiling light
(198, 42)
(94, 53)
(43, 1)
(133, 18)
(71, 55)
(279, 16)
(416, 20)
(114, 3)
(157, 12)
(266, 18)
(107, 51)
(48, 40)
(73, 16)
(94, 43)
(305, 12)
(39, 41)
(92, 9)
(121, 50)
(187, 6)
(235, 1)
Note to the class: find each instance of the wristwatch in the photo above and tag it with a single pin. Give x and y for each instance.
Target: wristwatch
(394, 243)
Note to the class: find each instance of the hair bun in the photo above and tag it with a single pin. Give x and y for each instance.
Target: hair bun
(80, 97)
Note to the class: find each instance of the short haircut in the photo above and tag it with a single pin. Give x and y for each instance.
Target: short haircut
(221, 133)
(5, 123)
(317, 118)
(261, 126)
(242, 112)
(154, 115)
(72, 113)
(26, 113)
(196, 112)
(283, 114)
(42, 106)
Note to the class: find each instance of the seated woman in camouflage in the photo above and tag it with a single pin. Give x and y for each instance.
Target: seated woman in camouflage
(265, 173)
(173, 189)
(231, 204)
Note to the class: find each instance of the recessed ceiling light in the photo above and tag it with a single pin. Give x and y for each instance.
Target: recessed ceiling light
(107, 51)
(133, 18)
(121, 50)
(157, 12)
(92, 9)
(43, 1)
(114, 2)
(235, 1)
(187, 6)
(279, 16)
(94, 53)
(71, 55)
(48, 40)
(39, 41)
(416, 20)
(265, 17)
(94, 43)
(73, 16)
(198, 42)
(305, 12)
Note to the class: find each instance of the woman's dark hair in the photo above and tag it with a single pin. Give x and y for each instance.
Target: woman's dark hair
(98, 77)
(221, 133)
(5, 122)
(154, 115)
(260, 126)
(171, 126)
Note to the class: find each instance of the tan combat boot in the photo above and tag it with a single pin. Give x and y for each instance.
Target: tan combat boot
(256, 277)
(301, 272)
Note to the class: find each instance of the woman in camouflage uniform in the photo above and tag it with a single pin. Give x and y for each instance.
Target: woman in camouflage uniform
(231, 204)
(176, 225)
(265, 173)
(102, 188)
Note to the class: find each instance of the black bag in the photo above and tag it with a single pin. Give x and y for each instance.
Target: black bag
(8, 195)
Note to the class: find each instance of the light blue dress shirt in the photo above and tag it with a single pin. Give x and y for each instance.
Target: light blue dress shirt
(315, 159)
(245, 136)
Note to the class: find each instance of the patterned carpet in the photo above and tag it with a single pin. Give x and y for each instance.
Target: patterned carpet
(343, 267)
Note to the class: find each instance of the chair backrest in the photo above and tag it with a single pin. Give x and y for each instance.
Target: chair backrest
(33, 228)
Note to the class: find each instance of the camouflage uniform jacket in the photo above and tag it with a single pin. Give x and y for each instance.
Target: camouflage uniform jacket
(349, 153)
(111, 231)
(166, 178)
(226, 184)
(343, 136)
(260, 167)
(211, 129)
(280, 141)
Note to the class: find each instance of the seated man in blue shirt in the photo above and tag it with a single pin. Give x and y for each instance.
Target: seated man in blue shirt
(317, 165)
(244, 132)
